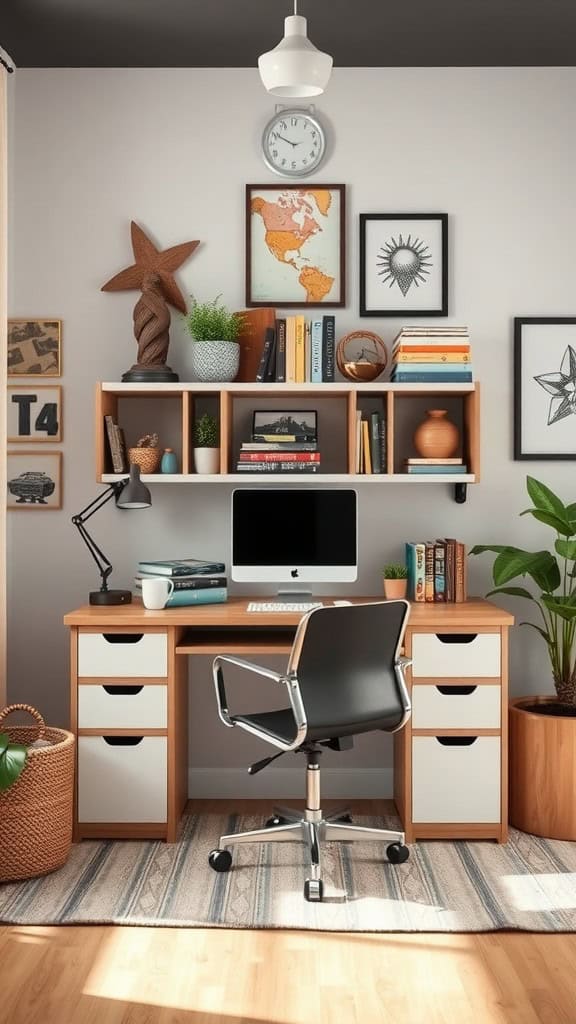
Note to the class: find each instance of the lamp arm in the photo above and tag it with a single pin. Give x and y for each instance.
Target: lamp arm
(103, 563)
(113, 491)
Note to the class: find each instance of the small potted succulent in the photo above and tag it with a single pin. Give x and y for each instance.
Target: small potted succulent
(206, 447)
(215, 351)
(146, 454)
(395, 581)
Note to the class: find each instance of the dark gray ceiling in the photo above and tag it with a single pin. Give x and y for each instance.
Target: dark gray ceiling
(231, 33)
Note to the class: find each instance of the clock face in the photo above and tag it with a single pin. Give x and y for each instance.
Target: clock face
(293, 143)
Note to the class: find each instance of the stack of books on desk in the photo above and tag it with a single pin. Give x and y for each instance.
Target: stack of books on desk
(437, 570)
(420, 467)
(195, 581)
(282, 445)
(432, 355)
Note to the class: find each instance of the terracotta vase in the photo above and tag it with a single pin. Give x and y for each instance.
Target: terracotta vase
(395, 589)
(436, 437)
(542, 770)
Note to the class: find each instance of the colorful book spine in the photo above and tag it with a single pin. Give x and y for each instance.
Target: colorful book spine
(439, 377)
(307, 351)
(383, 446)
(285, 457)
(429, 572)
(300, 351)
(328, 349)
(444, 368)
(113, 444)
(366, 448)
(460, 573)
(281, 351)
(450, 569)
(434, 470)
(439, 571)
(316, 352)
(408, 349)
(375, 442)
(186, 582)
(290, 349)
(277, 467)
(432, 358)
(183, 598)
(415, 563)
(265, 357)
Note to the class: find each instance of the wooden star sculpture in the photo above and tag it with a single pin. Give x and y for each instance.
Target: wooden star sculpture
(147, 258)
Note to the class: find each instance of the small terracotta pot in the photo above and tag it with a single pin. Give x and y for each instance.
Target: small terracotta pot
(395, 589)
(436, 437)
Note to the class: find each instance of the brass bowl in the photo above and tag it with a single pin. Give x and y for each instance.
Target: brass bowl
(363, 371)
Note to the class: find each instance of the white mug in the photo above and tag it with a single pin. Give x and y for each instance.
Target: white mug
(156, 592)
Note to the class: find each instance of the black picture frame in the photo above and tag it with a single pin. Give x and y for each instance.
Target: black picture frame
(263, 421)
(442, 308)
(521, 376)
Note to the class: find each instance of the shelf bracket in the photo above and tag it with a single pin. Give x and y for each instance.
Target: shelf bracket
(460, 493)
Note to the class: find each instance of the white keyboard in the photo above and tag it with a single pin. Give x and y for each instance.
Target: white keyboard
(283, 606)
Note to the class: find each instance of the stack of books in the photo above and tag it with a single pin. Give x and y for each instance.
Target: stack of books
(117, 445)
(195, 581)
(421, 467)
(431, 355)
(370, 443)
(281, 443)
(299, 351)
(437, 570)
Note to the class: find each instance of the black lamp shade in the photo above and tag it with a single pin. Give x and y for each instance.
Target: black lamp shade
(134, 494)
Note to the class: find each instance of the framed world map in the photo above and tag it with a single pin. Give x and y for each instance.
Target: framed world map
(295, 245)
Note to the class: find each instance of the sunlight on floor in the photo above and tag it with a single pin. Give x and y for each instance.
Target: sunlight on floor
(553, 891)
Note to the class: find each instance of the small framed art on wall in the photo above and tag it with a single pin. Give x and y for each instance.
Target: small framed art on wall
(34, 348)
(403, 264)
(34, 480)
(545, 387)
(34, 413)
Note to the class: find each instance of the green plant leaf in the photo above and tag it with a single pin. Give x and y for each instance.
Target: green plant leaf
(479, 549)
(566, 548)
(4, 741)
(541, 566)
(546, 636)
(514, 591)
(12, 762)
(564, 607)
(561, 525)
(544, 499)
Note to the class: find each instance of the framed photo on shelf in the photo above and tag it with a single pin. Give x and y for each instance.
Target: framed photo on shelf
(34, 479)
(403, 264)
(302, 426)
(295, 245)
(34, 348)
(545, 387)
(34, 413)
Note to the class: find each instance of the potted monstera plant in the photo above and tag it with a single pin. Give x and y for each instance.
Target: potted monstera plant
(543, 729)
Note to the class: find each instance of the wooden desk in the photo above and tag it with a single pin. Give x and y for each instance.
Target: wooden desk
(129, 700)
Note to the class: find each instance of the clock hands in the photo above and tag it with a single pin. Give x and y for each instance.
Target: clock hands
(289, 141)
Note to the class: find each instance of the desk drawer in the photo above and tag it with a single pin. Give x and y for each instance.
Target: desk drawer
(456, 779)
(122, 654)
(122, 779)
(455, 654)
(456, 707)
(123, 706)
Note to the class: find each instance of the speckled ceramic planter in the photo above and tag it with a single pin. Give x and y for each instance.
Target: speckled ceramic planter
(214, 361)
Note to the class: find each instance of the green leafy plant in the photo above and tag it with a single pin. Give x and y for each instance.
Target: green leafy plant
(395, 571)
(206, 432)
(13, 757)
(554, 576)
(212, 321)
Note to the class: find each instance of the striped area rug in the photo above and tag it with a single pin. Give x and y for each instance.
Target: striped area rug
(529, 884)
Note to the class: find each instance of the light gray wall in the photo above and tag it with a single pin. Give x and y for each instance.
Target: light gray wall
(173, 149)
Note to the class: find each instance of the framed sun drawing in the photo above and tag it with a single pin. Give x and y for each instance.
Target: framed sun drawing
(403, 264)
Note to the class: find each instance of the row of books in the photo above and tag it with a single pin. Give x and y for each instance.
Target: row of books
(437, 570)
(281, 443)
(117, 445)
(420, 467)
(431, 355)
(370, 443)
(297, 351)
(195, 581)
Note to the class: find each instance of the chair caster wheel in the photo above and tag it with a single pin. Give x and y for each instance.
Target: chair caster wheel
(313, 890)
(220, 860)
(275, 820)
(397, 853)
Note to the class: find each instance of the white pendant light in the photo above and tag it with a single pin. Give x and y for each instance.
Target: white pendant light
(295, 68)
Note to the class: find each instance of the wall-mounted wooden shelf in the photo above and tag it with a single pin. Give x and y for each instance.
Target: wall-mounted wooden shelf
(170, 409)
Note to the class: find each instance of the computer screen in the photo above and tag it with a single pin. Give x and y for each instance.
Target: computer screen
(294, 535)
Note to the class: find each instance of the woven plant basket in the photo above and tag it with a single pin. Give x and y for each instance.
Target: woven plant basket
(36, 812)
(147, 458)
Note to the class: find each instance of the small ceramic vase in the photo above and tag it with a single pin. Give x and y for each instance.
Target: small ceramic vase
(395, 589)
(169, 463)
(436, 437)
(207, 460)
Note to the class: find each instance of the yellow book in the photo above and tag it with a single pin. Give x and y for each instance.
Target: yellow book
(290, 349)
(366, 446)
(300, 350)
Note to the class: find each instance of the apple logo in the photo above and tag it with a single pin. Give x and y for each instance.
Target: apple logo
(294, 573)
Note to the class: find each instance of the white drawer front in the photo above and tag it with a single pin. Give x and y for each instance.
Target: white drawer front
(122, 707)
(126, 654)
(456, 783)
(445, 654)
(456, 707)
(122, 783)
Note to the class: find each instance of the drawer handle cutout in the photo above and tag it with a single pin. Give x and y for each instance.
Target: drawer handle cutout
(122, 741)
(122, 691)
(122, 638)
(456, 741)
(456, 638)
(456, 691)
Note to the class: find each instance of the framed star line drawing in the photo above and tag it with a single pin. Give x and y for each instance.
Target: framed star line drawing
(545, 387)
(403, 264)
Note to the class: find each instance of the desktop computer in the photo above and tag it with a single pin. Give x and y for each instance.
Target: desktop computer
(294, 537)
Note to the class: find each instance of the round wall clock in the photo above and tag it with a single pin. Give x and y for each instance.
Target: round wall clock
(293, 143)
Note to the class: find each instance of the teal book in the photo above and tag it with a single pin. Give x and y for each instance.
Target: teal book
(446, 369)
(428, 470)
(316, 351)
(415, 563)
(182, 567)
(403, 377)
(183, 598)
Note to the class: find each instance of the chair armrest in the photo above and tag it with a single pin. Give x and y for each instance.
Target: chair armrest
(218, 677)
(249, 666)
(404, 663)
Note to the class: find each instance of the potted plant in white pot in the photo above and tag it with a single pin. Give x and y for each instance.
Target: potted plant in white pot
(206, 447)
(395, 578)
(215, 352)
(543, 729)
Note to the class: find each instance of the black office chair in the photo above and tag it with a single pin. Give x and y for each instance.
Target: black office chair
(344, 677)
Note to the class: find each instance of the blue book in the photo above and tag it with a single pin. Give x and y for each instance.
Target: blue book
(431, 378)
(182, 567)
(427, 470)
(182, 598)
(415, 563)
(316, 351)
(448, 369)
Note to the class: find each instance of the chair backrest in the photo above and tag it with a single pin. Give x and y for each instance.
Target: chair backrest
(345, 659)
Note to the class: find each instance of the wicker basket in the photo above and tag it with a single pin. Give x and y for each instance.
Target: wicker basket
(147, 458)
(36, 812)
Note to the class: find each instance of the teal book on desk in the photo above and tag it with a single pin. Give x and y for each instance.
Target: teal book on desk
(182, 598)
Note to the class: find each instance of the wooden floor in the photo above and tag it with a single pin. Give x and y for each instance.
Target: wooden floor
(113, 975)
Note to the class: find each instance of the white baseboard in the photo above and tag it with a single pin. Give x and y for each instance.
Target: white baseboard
(338, 783)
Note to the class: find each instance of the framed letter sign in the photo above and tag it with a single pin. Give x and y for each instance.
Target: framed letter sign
(34, 413)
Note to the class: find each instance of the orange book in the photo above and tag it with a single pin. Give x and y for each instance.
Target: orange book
(436, 349)
(366, 447)
(437, 356)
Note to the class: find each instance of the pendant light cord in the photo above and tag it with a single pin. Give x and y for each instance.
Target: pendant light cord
(295, 6)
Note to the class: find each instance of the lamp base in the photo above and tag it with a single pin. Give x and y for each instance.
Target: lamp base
(140, 374)
(111, 597)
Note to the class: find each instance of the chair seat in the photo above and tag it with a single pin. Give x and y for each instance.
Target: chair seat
(280, 725)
